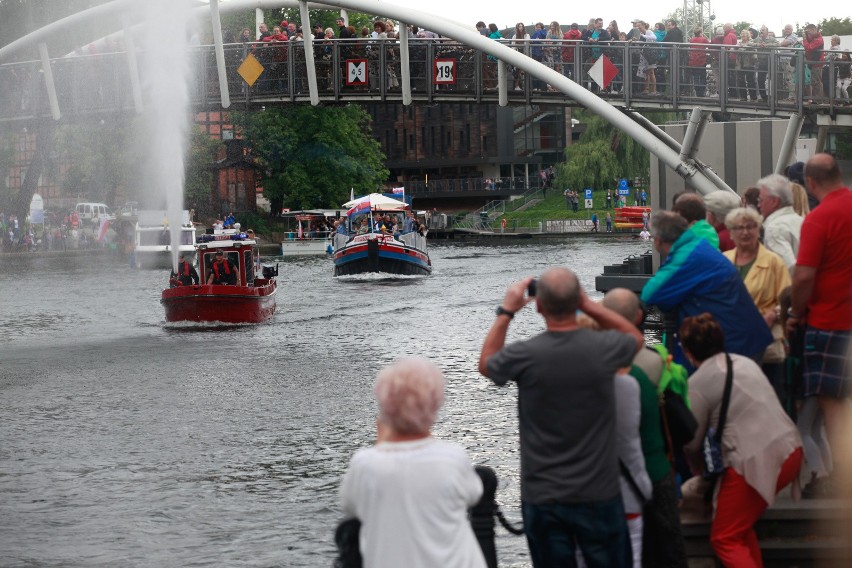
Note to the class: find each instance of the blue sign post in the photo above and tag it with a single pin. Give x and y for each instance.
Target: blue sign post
(622, 188)
(588, 193)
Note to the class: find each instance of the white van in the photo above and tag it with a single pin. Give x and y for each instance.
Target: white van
(91, 211)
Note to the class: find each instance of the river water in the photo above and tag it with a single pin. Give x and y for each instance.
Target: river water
(126, 442)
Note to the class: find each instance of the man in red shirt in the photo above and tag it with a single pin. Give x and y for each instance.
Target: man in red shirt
(731, 40)
(814, 56)
(697, 71)
(822, 293)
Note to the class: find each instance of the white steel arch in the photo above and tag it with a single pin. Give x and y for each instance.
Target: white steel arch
(685, 165)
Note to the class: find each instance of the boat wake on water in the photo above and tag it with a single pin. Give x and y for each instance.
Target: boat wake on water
(379, 277)
(180, 326)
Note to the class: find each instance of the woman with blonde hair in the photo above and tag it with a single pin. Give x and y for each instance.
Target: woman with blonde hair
(410, 491)
(765, 276)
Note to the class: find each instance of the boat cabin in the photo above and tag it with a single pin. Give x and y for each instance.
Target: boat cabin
(237, 248)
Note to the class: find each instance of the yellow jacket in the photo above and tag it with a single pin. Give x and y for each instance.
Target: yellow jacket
(766, 279)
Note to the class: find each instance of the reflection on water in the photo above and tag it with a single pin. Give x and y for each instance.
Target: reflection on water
(127, 442)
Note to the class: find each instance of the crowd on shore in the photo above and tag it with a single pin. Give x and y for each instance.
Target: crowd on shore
(761, 288)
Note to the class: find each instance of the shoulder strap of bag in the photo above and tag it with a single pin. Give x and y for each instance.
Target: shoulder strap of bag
(633, 485)
(726, 398)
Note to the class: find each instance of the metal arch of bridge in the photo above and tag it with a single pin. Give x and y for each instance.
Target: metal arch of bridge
(668, 151)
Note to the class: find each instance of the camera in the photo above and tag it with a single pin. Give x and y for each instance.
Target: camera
(531, 289)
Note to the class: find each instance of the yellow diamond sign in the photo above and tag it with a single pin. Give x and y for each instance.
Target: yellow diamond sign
(250, 69)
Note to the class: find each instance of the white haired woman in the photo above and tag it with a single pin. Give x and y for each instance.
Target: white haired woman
(718, 205)
(410, 491)
(765, 276)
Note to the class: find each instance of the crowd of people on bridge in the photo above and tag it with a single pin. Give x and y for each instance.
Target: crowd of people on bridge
(747, 55)
(761, 291)
(662, 56)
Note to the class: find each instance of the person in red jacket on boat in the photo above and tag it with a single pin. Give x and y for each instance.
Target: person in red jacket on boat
(186, 274)
(223, 271)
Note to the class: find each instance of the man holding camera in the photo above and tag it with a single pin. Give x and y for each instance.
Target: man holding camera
(566, 407)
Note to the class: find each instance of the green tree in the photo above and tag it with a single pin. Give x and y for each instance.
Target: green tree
(198, 182)
(831, 26)
(591, 164)
(632, 158)
(844, 145)
(98, 158)
(313, 155)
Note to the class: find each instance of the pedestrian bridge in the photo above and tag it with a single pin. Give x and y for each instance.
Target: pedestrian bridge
(440, 71)
(462, 67)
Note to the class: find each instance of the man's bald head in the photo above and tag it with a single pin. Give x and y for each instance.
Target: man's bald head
(823, 169)
(623, 302)
(558, 293)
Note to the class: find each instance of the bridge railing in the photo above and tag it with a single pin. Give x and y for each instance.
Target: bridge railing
(768, 81)
(515, 184)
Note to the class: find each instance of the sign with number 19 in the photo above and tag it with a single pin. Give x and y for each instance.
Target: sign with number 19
(445, 71)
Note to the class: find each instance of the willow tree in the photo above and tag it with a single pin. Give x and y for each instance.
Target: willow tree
(602, 155)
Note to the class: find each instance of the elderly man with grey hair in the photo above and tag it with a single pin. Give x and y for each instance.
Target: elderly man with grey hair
(410, 491)
(781, 225)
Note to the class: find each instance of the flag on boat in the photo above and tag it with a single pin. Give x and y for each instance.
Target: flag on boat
(398, 191)
(358, 207)
(103, 229)
(351, 194)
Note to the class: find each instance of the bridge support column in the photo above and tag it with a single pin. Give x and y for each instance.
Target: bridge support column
(308, 41)
(822, 137)
(794, 127)
(697, 122)
(689, 167)
(405, 71)
(133, 66)
(258, 19)
(48, 81)
(502, 83)
(216, 24)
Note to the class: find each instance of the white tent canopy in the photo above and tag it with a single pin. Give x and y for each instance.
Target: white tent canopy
(376, 202)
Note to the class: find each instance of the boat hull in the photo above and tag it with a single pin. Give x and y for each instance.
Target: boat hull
(305, 247)
(380, 254)
(220, 303)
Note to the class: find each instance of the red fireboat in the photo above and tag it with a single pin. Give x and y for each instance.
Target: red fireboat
(250, 300)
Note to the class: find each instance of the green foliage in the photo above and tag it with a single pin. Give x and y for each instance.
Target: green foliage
(260, 223)
(588, 164)
(7, 158)
(314, 155)
(844, 145)
(326, 18)
(98, 159)
(740, 26)
(831, 26)
(198, 182)
(603, 154)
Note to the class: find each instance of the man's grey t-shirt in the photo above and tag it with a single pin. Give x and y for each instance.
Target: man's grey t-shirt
(566, 410)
